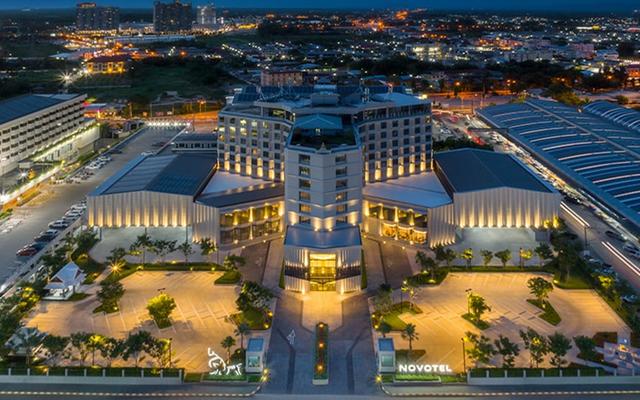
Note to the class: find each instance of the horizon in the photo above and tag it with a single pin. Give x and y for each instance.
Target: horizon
(584, 7)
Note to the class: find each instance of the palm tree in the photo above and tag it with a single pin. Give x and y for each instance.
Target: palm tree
(487, 256)
(384, 328)
(116, 259)
(227, 343)
(467, 256)
(95, 343)
(186, 249)
(231, 262)
(410, 334)
(543, 251)
(140, 246)
(28, 339)
(241, 330)
(208, 247)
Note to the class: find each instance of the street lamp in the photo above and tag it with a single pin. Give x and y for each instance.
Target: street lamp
(469, 293)
(464, 354)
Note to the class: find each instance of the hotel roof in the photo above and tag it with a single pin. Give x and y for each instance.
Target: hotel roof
(183, 174)
(421, 190)
(592, 151)
(468, 170)
(225, 189)
(20, 106)
(339, 237)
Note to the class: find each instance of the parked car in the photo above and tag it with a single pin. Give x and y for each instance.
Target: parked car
(630, 298)
(44, 237)
(59, 224)
(27, 251)
(615, 235)
(38, 245)
(630, 247)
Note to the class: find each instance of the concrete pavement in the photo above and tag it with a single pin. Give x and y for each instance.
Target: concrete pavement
(54, 200)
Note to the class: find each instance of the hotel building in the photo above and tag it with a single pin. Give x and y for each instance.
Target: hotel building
(320, 166)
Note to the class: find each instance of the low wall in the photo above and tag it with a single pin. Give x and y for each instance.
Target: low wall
(9, 376)
(553, 380)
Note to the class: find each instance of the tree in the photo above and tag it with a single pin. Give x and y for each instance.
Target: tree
(159, 349)
(110, 294)
(508, 350)
(382, 301)
(481, 349)
(94, 344)
(525, 255)
(227, 343)
(467, 256)
(543, 251)
(504, 256)
(487, 256)
(27, 339)
(112, 348)
(55, 346)
(187, 250)
(80, 341)
(559, 345)
(162, 248)
(116, 259)
(231, 262)
(242, 329)
(448, 256)
(160, 309)
(409, 333)
(536, 344)
(207, 248)
(427, 264)
(143, 243)
(477, 306)
(587, 347)
(136, 344)
(540, 288)
(384, 328)
(253, 296)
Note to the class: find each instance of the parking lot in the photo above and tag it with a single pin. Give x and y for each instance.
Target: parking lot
(441, 326)
(198, 320)
(54, 200)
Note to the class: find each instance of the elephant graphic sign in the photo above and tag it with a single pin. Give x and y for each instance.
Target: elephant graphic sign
(218, 366)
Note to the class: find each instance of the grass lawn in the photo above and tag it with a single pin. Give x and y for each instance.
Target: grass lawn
(550, 314)
(424, 278)
(601, 337)
(403, 356)
(132, 268)
(256, 319)
(89, 266)
(23, 48)
(393, 317)
(78, 296)
(229, 278)
(574, 281)
(480, 324)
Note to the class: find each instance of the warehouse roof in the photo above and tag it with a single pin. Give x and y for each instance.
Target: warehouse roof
(183, 174)
(16, 107)
(467, 170)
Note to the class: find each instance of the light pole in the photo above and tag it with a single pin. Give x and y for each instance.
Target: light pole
(464, 355)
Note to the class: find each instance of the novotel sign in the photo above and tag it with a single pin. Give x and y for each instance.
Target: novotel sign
(425, 368)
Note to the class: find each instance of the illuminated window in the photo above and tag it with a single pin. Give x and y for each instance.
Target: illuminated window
(341, 196)
(304, 171)
(304, 196)
(305, 208)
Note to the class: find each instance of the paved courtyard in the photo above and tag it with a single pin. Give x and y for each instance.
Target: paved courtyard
(198, 320)
(441, 327)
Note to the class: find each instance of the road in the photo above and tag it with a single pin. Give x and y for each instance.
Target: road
(200, 391)
(54, 200)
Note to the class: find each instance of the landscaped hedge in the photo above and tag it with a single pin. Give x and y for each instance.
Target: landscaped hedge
(321, 353)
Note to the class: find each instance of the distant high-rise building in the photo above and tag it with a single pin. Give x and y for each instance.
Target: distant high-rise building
(206, 15)
(90, 17)
(172, 17)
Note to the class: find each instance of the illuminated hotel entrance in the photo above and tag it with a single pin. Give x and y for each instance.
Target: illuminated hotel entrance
(322, 272)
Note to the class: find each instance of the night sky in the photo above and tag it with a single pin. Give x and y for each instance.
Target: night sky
(538, 5)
